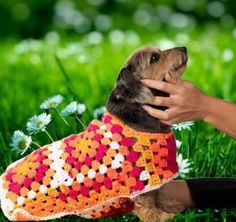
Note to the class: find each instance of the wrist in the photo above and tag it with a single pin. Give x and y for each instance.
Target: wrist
(205, 107)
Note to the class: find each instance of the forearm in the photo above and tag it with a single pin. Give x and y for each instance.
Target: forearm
(220, 114)
(212, 192)
(197, 193)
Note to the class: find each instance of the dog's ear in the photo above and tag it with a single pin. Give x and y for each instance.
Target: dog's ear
(130, 88)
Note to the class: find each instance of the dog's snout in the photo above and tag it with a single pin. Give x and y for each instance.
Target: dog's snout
(183, 49)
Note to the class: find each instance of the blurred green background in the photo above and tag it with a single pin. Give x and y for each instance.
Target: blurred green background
(92, 39)
(33, 19)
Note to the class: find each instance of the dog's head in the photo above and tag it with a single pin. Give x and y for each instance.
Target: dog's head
(129, 92)
(148, 63)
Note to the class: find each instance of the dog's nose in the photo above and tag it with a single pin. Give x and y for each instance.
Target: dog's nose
(183, 49)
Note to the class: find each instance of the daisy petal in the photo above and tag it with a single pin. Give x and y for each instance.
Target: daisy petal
(52, 102)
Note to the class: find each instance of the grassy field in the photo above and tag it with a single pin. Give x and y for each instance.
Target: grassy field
(30, 74)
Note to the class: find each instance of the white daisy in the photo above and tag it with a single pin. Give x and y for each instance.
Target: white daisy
(38, 123)
(69, 109)
(98, 112)
(52, 102)
(73, 108)
(184, 165)
(182, 126)
(81, 108)
(20, 141)
(178, 143)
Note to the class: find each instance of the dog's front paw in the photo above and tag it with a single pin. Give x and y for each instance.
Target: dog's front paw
(152, 214)
(167, 204)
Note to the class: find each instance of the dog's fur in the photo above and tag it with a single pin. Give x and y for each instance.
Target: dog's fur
(125, 102)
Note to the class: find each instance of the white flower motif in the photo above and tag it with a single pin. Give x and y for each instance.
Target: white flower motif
(108, 134)
(54, 184)
(68, 181)
(91, 173)
(31, 194)
(103, 127)
(184, 165)
(8, 205)
(144, 175)
(20, 200)
(114, 145)
(98, 112)
(80, 178)
(182, 126)
(69, 109)
(81, 108)
(52, 102)
(20, 141)
(55, 166)
(116, 164)
(43, 189)
(102, 169)
(38, 123)
(119, 157)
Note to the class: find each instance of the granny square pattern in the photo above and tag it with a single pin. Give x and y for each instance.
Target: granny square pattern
(93, 174)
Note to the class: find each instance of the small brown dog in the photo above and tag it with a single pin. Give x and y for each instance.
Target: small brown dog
(125, 100)
(114, 166)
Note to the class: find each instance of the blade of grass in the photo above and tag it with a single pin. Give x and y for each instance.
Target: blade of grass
(68, 81)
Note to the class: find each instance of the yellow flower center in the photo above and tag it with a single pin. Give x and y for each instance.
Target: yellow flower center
(22, 144)
(52, 103)
(39, 124)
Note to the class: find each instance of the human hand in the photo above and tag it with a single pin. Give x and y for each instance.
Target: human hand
(185, 102)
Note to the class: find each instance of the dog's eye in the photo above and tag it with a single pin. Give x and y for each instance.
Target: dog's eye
(154, 58)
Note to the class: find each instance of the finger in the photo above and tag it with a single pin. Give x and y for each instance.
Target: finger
(169, 79)
(170, 121)
(161, 101)
(160, 85)
(155, 112)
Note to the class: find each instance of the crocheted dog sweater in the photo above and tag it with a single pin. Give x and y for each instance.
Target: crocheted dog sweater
(92, 174)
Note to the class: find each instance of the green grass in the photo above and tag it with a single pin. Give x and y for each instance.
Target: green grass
(27, 78)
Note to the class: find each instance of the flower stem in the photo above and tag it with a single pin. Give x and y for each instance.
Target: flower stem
(48, 135)
(23, 151)
(63, 119)
(76, 126)
(79, 120)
